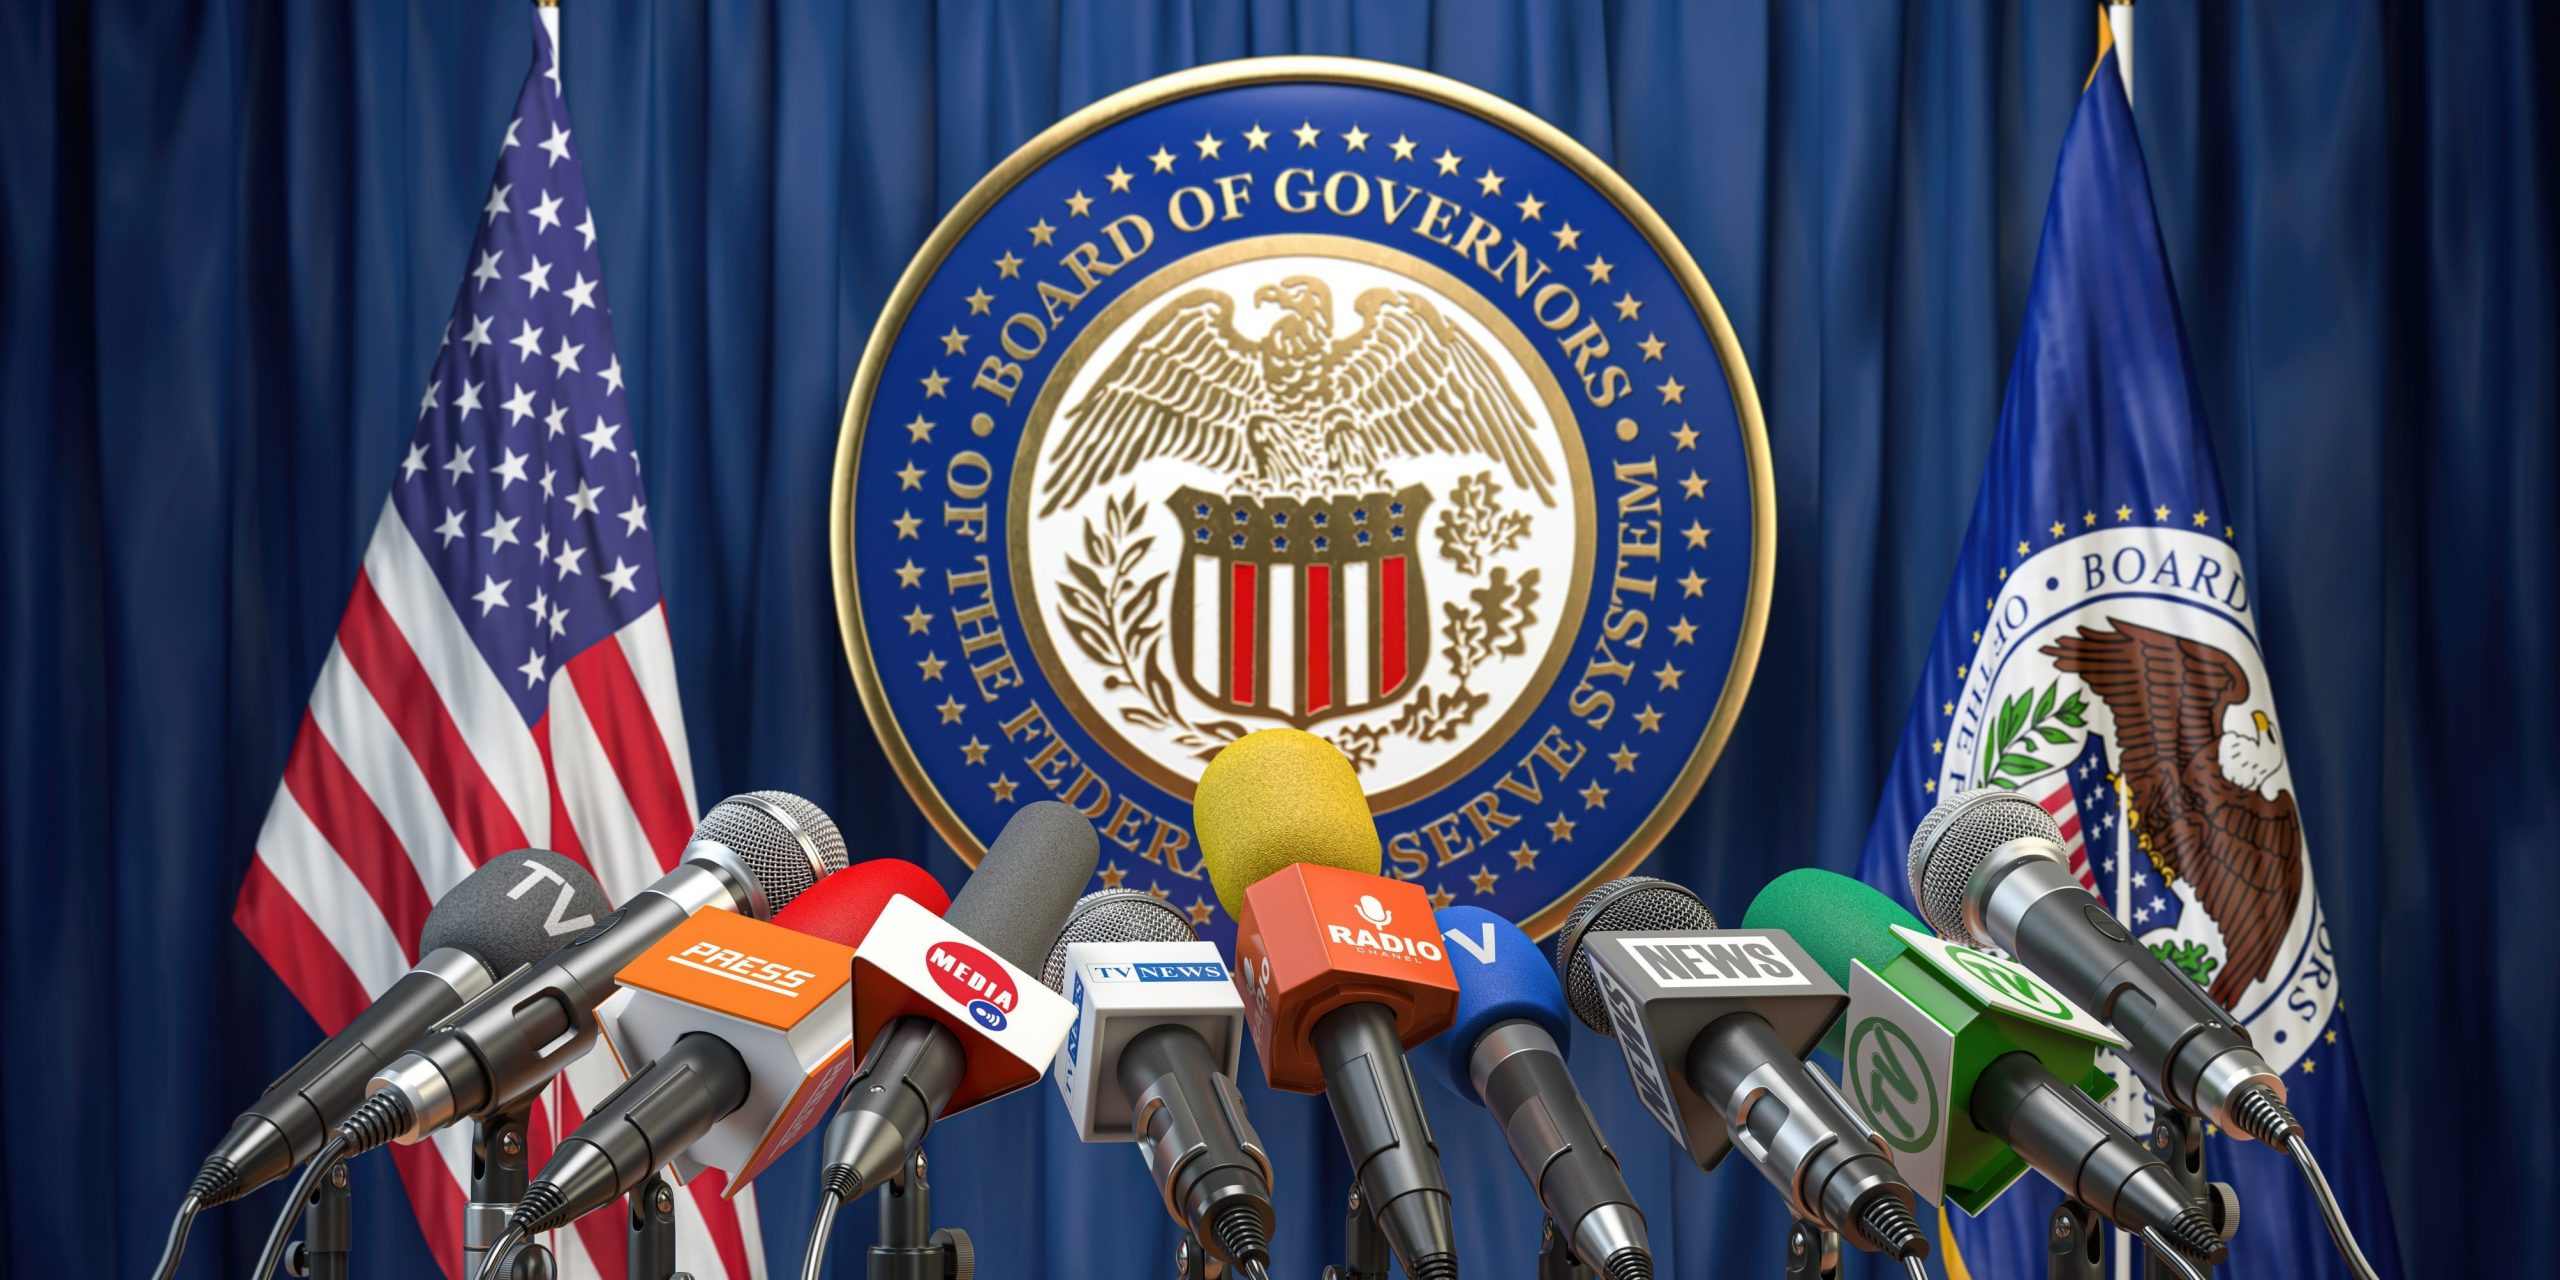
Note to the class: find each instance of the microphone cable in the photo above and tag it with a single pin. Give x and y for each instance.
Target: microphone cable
(505, 1244)
(1915, 1269)
(2263, 1115)
(177, 1246)
(2162, 1249)
(815, 1261)
(331, 1154)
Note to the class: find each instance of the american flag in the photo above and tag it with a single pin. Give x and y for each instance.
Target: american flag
(502, 677)
(2081, 796)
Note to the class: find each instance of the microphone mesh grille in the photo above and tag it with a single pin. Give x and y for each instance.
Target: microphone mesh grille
(1628, 904)
(1952, 843)
(786, 842)
(1115, 915)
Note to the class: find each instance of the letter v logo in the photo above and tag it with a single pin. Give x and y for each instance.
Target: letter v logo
(536, 873)
(1483, 953)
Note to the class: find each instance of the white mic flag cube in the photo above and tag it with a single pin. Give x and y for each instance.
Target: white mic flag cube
(913, 962)
(1118, 989)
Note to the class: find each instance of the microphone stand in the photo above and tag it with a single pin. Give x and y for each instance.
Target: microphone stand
(1812, 1253)
(2179, 1138)
(1555, 1256)
(1364, 1247)
(498, 1180)
(652, 1255)
(909, 1247)
(328, 1228)
(2076, 1243)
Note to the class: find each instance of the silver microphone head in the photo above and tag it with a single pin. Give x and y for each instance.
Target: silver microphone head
(787, 843)
(1624, 905)
(1115, 915)
(1955, 839)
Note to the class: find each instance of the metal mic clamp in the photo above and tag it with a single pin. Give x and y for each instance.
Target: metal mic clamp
(909, 1247)
(1812, 1253)
(2075, 1244)
(328, 1227)
(2177, 1135)
(1555, 1256)
(1364, 1247)
(652, 1255)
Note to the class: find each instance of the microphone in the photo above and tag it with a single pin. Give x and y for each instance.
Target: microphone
(1972, 1069)
(1341, 968)
(508, 913)
(941, 1020)
(1506, 1052)
(1152, 1059)
(1987, 868)
(751, 1025)
(752, 854)
(1715, 1025)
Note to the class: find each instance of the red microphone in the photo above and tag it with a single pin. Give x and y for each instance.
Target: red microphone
(1341, 968)
(741, 1032)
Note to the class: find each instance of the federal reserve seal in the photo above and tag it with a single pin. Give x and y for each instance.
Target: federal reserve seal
(1321, 393)
(2117, 680)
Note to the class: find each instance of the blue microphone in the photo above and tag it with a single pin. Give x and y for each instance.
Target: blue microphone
(1505, 1053)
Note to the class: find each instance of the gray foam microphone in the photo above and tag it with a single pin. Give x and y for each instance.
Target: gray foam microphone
(1014, 905)
(1181, 1102)
(1987, 868)
(1715, 1025)
(751, 854)
(514, 909)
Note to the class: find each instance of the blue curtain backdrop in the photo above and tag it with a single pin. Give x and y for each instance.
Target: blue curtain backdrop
(232, 229)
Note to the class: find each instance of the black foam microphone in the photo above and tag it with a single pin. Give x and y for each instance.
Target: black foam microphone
(511, 911)
(752, 854)
(1013, 905)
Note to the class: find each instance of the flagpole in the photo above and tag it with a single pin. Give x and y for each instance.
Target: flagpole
(2120, 21)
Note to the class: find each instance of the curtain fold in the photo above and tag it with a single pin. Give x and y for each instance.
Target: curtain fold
(228, 233)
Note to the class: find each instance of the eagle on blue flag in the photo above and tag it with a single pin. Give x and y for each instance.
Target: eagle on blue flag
(2099, 653)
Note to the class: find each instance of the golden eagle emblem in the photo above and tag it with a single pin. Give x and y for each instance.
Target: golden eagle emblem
(2197, 787)
(1301, 412)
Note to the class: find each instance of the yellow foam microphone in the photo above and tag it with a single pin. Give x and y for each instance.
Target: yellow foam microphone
(1275, 797)
(1341, 968)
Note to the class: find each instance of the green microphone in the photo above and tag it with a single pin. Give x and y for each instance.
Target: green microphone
(1971, 1068)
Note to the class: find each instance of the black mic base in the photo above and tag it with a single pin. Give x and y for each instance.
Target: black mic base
(2075, 1244)
(910, 1248)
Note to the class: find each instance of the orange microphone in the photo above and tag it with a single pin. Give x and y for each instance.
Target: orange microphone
(1341, 968)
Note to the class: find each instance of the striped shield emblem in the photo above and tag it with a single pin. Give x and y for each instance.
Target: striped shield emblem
(1298, 608)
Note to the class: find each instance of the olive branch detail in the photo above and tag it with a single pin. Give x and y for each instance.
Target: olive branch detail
(2026, 724)
(1110, 613)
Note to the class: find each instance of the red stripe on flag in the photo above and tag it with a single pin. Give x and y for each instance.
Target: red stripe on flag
(1319, 646)
(347, 818)
(2070, 827)
(382, 658)
(1240, 641)
(1391, 623)
(619, 712)
(564, 833)
(2057, 799)
(438, 1200)
(296, 949)
(720, 1218)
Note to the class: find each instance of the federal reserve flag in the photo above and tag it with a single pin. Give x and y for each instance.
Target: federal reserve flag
(502, 677)
(2099, 651)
